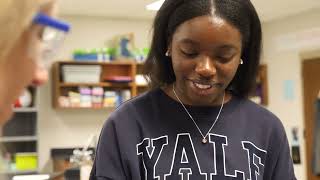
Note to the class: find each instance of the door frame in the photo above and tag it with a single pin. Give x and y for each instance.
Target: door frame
(307, 57)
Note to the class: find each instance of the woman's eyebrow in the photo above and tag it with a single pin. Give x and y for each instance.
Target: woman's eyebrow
(188, 41)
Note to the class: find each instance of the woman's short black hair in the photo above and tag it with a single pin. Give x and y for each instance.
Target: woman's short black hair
(240, 13)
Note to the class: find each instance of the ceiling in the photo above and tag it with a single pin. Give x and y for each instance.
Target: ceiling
(267, 9)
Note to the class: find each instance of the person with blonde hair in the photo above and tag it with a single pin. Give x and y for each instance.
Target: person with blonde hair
(29, 36)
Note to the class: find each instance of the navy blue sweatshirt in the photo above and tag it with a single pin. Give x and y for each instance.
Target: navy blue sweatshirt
(152, 137)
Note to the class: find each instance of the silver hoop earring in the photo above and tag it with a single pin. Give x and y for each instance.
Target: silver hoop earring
(241, 61)
(167, 53)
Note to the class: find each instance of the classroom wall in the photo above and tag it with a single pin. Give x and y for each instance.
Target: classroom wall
(71, 128)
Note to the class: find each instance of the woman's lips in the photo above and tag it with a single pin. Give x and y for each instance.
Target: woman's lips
(202, 86)
(204, 89)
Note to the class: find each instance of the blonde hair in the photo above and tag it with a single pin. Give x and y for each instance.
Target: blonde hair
(15, 17)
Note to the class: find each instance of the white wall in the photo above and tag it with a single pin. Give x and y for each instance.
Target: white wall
(284, 41)
(94, 32)
(70, 128)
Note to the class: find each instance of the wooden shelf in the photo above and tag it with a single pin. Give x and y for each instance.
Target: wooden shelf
(115, 63)
(102, 84)
(115, 68)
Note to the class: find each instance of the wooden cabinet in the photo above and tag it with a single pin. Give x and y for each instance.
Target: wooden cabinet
(118, 68)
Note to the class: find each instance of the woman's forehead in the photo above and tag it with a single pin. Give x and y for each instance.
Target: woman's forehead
(208, 29)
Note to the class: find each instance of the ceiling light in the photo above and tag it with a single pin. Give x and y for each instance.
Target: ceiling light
(155, 6)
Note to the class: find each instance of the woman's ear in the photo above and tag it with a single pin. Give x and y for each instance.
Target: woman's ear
(168, 52)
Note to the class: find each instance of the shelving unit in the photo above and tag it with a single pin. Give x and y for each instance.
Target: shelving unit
(120, 68)
(102, 84)
(19, 135)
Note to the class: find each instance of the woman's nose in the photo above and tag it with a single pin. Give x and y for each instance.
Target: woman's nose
(40, 76)
(205, 67)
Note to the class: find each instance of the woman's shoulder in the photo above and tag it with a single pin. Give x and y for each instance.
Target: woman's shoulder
(258, 123)
(257, 114)
(141, 100)
(137, 105)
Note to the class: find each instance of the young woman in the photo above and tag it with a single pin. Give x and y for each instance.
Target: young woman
(24, 46)
(197, 122)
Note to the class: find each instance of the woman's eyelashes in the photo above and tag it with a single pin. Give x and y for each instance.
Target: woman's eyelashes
(189, 54)
(223, 58)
